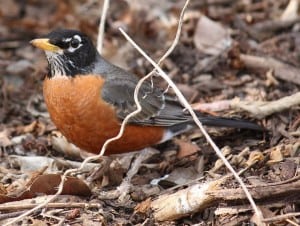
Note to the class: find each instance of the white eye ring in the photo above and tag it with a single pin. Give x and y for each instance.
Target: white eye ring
(75, 43)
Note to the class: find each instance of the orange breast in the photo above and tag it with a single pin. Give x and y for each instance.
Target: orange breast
(84, 119)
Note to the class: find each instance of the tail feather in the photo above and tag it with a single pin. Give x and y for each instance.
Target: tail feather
(229, 122)
(214, 121)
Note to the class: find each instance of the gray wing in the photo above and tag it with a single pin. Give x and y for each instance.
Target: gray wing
(158, 109)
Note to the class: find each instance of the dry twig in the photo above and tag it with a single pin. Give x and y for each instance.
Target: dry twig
(102, 26)
(282, 71)
(13, 207)
(261, 109)
(201, 196)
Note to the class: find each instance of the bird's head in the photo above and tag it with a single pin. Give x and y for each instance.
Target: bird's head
(69, 52)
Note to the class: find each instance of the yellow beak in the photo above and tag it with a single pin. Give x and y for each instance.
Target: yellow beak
(44, 44)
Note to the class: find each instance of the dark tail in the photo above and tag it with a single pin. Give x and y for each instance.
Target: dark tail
(229, 122)
(215, 121)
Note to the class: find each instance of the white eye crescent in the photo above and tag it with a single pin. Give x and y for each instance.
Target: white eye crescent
(77, 37)
(75, 43)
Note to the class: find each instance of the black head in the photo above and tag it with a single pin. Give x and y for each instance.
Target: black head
(69, 52)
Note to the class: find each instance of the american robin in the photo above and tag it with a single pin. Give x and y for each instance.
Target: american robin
(88, 97)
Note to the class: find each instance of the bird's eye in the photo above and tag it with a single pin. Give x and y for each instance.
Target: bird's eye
(74, 43)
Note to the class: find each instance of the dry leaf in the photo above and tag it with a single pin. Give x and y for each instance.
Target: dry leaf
(32, 163)
(254, 157)
(275, 155)
(291, 11)
(36, 222)
(4, 140)
(144, 206)
(48, 184)
(34, 127)
(60, 144)
(186, 148)
(211, 37)
(73, 214)
(3, 190)
(181, 175)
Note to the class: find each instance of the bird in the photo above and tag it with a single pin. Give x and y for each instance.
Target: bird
(88, 97)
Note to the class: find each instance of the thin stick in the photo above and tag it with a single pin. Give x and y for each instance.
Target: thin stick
(185, 103)
(292, 222)
(14, 207)
(102, 26)
(281, 217)
(177, 36)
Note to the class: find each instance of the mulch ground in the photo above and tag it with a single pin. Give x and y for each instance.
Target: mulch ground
(210, 65)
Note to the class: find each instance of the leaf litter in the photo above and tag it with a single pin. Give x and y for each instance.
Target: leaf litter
(229, 50)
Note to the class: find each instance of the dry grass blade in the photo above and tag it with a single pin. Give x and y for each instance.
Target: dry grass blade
(102, 26)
